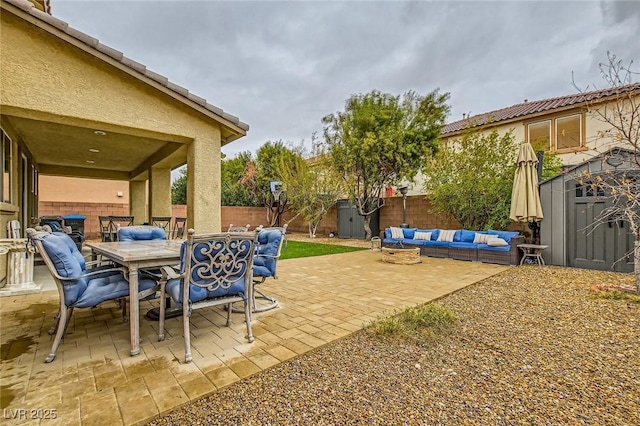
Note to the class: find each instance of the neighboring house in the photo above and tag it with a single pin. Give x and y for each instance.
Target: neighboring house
(568, 126)
(72, 107)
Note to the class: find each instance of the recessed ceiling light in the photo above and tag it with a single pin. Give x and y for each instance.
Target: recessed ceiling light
(99, 132)
(90, 161)
(94, 150)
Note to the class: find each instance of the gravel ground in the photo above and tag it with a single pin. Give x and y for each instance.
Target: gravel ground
(532, 346)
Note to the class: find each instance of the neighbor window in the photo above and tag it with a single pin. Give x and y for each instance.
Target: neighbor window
(5, 151)
(559, 133)
(540, 135)
(569, 132)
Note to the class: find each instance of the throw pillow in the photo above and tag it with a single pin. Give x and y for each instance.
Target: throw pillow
(446, 235)
(497, 242)
(396, 233)
(482, 238)
(422, 235)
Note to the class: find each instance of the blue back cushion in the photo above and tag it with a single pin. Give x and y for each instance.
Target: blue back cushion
(464, 236)
(505, 235)
(141, 233)
(409, 232)
(66, 264)
(264, 262)
(73, 248)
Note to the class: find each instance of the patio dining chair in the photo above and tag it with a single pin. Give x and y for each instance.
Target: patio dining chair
(265, 262)
(216, 269)
(106, 233)
(178, 227)
(79, 287)
(117, 222)
(234, 228)
(161, 222)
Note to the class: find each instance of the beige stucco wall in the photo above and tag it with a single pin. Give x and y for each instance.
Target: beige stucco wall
(43, 77)
(65, 189)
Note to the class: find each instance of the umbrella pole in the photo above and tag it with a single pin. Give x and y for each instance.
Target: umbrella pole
(535, 232)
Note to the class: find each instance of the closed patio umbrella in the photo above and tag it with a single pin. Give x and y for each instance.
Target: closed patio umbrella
(525, 197)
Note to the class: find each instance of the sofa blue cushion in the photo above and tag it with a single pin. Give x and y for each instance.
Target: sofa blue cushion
(505, 235)
(141, 233)
(464, 236)
(492, 248)
(413, 242)
(434, 233)
(409, 232)
(436, 243)
(463, 245)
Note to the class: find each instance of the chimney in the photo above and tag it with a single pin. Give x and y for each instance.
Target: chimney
(464, 115)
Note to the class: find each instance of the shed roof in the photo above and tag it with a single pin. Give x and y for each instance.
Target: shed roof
(620, 152)
(535, 107)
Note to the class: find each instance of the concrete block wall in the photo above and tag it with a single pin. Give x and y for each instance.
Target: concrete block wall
(419, 214)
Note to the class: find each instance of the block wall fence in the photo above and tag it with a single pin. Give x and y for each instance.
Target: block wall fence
(419, 214)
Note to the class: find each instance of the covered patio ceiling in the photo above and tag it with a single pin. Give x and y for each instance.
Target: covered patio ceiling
(100, 152)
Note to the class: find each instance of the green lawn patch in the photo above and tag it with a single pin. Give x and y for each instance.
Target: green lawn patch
(294, 249)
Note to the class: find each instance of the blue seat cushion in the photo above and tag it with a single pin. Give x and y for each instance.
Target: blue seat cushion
(392, 240)
(196, 294)
(263, 266)
(493, 248)
(505, 235)
(108, 288)
(463, 245)
(413, 242)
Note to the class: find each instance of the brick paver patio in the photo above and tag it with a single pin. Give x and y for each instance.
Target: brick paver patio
(93, 380)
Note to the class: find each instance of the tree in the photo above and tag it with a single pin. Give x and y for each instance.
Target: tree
(266, 170)
(470, 179)
(234, 192)
(312, 186)
(620, 118)
(179, 188)
(382, 139)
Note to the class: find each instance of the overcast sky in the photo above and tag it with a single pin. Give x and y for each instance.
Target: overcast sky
(281, 66)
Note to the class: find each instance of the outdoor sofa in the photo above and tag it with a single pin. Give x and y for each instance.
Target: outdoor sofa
(460, 244)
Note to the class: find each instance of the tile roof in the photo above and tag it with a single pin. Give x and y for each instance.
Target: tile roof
(534, 107)
(95, 44)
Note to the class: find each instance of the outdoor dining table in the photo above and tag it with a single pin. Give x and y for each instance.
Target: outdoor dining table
(137, 255)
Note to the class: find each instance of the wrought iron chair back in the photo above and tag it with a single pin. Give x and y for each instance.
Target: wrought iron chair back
(234, 228)
(216, 269)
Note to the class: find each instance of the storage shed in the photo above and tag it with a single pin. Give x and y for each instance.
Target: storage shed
(570, 210)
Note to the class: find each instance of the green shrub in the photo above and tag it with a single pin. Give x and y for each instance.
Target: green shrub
(418, 322)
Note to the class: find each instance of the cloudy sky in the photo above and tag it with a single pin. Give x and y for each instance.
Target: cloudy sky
(281, 66)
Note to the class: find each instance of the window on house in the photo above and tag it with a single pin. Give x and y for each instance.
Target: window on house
(540, 135)
(569, 132)
(5, 152)
(559, 133)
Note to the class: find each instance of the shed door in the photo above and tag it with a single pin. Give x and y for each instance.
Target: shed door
(595, 247)
(350, 223)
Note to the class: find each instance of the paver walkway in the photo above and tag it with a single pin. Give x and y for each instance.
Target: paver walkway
(93, 380)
